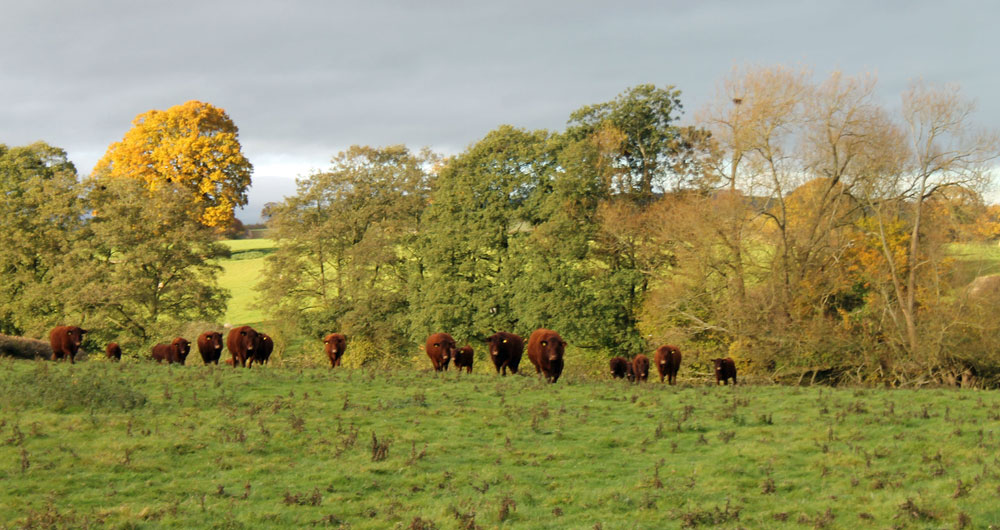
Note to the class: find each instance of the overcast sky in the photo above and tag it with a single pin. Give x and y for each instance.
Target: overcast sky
(304, 79)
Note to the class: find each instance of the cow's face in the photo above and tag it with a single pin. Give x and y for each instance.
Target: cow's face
(447, 349)
(643, 370)
(718, 365)
(334, 344)
(182, 347)
(496, 343)
(215, 340)
(248, 337)
(552, 348)
(75, 335)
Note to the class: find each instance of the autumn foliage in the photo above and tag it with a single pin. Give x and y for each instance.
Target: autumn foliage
(195, 145)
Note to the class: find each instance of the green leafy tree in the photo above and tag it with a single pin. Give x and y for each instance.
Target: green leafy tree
(649, 152)
(345, 241)
(41, 217)
(153, 267)
(484, 204)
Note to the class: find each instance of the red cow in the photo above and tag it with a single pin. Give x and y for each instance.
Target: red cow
(440, 348)
(640, 365)
(65, 341)
(668, 362)
(210, 346)
(113, 351)
(619, 367)
(545, 351)
(334, 345)
(262, 350)
(463, 358)
(724, 370)
(241, 342)
(505, 351)
(175, 352)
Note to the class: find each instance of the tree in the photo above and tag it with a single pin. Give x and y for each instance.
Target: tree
(41, 216)
(194, 145)
(152, 267)
(344, 245)
(484, 203)
(943, 150)
(651, 152)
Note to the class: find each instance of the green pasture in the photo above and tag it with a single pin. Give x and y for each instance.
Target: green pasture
(241, 273)
(139, 445)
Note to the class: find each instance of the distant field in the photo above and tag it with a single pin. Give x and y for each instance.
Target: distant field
(143, 445)
(974, 259)
(241, 273)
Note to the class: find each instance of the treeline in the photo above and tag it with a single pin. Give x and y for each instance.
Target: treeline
(800, 228)
(131, 264)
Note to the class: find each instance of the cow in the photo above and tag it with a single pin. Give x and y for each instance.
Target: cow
(334, 345)
(668, 361)
(440, 348)
(262, 350)
(113, 351)
(175, 352)
(724, 370)
(210, 347)
(240, 342)
(505, 351)
(619, 367)
(463, 358)
(65, 342)
(640, 365)
(545, 351)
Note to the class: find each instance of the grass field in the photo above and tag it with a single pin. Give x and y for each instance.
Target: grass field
(142, 445)
(240, 274)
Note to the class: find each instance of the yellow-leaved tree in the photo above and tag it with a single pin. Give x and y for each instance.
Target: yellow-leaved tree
(195, 145)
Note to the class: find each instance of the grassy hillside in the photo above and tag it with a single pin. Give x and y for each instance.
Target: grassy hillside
(240, 274)
(164, 446)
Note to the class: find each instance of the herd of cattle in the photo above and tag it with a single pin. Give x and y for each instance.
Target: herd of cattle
(545, 351)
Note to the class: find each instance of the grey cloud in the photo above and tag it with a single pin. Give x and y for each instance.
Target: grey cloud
(304, 79)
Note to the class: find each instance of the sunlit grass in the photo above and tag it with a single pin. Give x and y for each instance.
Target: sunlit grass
(241, 273)
(281, 447)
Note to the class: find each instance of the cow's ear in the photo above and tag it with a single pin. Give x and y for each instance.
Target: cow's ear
(84, 331)
(563, 344)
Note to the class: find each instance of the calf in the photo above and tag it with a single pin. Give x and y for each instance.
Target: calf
(440, 348)
(724, 370)
(619, 367)
(505, 351)
(210, 346)
(668, 362)
(640, 365)
(545, 351)
(65, 342)
(334, 345)
(262, 350)
(175, 352)
(463, 358)
(113, 351)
